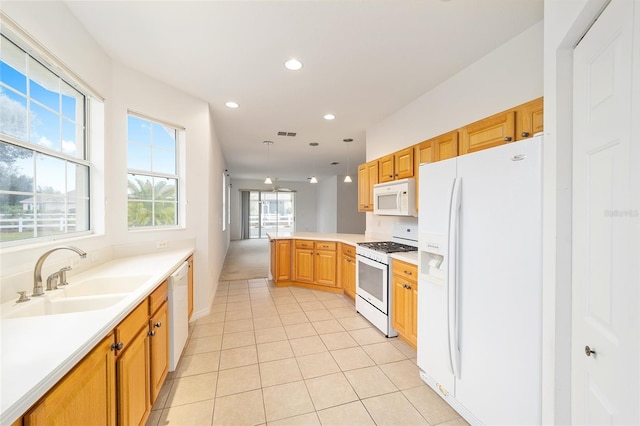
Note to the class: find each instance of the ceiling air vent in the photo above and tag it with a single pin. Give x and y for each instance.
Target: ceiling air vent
(286, 133)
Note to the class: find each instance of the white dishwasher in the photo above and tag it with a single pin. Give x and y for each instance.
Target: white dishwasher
(178, 316)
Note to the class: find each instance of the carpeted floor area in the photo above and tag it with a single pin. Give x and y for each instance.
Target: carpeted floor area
(246, 259)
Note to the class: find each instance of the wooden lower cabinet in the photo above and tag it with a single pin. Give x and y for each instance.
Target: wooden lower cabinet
(85, 396)
(133, 383)
(404, 296)
(316, 265)
(120, 379)
(159, 349)
(303, 262)
(321, 265)
(348, 270)
(190, 288)
(281, 260)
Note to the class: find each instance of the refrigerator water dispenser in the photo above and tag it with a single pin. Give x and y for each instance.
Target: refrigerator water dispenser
(432, 258)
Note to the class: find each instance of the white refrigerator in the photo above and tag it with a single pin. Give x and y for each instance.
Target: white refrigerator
(480, 282)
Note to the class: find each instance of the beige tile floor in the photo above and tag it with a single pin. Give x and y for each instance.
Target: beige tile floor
(293, 356)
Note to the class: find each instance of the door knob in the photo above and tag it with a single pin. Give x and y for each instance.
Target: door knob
(589, 351)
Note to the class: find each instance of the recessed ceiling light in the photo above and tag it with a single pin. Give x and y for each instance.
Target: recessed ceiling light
(232, 104)
(329, 117)
(293, 64)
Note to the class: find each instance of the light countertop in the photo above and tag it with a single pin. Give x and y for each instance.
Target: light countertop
(36, 352)
(352, 239)
(409, 257)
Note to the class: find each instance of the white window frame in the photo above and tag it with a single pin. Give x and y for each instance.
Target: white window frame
(40, 54)
(178, 176)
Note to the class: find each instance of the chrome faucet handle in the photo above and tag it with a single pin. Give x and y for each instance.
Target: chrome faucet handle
(52, 281)
(63, 275)
(23, 297)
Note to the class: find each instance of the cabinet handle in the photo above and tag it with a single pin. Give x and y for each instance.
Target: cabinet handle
(408, 272)
(508, 138)
(349, 260)
(117, 346)
(390, 176)
(408, 287)
(524, 134)
(158, 324)
(152, 333)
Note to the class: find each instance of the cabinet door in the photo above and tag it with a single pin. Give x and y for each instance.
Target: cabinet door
(386, 168)
(412, 333)
(133, 381)
(529, 119)
(304, 265)
(349, 275)
(445, 146)
(404, 163)
(325, 268)
(363, 188)
(399, 299)
(283, 261)
(493, 131)
(190, 287)
(85, 396)
(159, 348)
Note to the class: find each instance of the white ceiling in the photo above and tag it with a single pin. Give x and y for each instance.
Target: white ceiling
(363, 60)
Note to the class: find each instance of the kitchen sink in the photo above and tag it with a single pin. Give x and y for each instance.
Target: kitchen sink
(111, 284)
(63, 305)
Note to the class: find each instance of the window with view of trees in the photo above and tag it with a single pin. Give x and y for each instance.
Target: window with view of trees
(44, 172)
(153, 173)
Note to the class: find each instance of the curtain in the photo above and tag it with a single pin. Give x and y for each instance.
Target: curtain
(244, 215)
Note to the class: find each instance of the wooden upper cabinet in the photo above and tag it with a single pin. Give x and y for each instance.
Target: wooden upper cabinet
(487, 133)
(423, 154)
(529, 119)
(398, 165)
(445, 146)
(403, 160)
(367, 177)
(386, 168)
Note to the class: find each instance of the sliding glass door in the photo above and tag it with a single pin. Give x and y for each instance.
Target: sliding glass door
(270, 211)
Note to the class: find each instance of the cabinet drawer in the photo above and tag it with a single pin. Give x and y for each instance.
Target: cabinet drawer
(406, 270)
(131, 325)
(326, 245)
(348, 250)
(158, 297)
(304, 244)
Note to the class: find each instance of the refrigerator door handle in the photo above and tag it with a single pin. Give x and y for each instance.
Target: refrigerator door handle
(452, 287)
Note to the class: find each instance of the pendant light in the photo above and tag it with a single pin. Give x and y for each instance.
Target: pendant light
(313, 178)
(267, 181)
(347, 178)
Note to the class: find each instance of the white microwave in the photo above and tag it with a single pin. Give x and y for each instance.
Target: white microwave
(396, 198)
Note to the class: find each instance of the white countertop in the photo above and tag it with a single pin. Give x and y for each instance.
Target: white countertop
(36, 352)
(409, 257)
(351, 239)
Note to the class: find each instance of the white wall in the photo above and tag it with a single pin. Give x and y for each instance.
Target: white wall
(508, 76)
(57, 30)
(350, 221)
(327, 220)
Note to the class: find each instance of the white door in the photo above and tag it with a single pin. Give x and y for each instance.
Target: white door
(606, 220)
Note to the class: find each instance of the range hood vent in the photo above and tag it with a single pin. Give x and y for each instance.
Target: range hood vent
(286, 133)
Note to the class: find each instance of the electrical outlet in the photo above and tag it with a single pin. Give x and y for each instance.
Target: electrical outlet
(75, 262)
(95, 256)
(161, 244)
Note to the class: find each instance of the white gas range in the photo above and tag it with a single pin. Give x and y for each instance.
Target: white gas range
(373, 271)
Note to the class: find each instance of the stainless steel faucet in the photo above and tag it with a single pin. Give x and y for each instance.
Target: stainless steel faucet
(37, 272)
